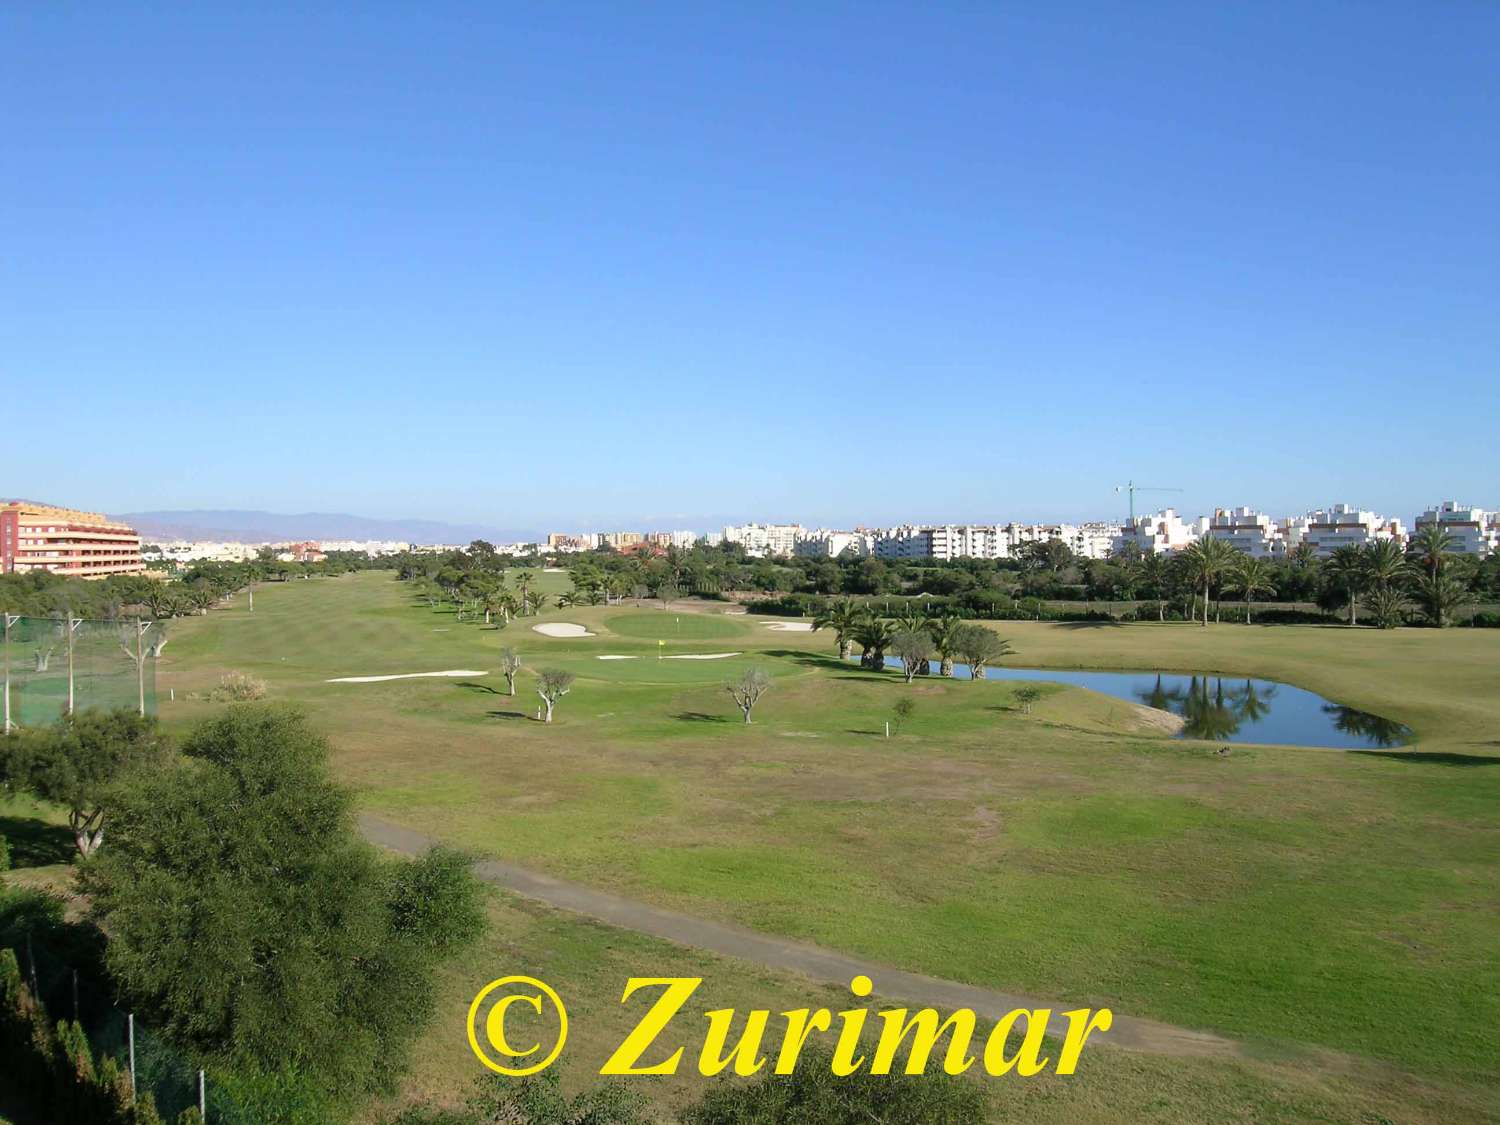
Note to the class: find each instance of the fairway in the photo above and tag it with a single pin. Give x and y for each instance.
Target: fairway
(1303, 901)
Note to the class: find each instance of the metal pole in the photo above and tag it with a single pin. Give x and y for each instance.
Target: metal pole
(140, 665)
(130, 1024)
(202, 1102)
(10, 619)
(72, 624)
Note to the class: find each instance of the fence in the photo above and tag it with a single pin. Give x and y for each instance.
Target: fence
(54, 665)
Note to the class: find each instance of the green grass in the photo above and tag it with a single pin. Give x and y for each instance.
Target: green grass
(1307, 901)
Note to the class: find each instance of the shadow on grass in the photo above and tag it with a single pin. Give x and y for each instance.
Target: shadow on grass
(508, 714)
(472, 686)
(35, 843)
(700, 717)
(1434, 758)
(1089, 625)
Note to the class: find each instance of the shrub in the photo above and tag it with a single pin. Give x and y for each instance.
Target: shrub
(238, 687)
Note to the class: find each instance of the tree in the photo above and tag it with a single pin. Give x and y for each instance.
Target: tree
(746, 691)
(77, 761)
(873, 635)
(914, 647)
(979, 647)
(1439, 595)
(1251, 576)
(1346, 569)
(843, 617)
(1026, 695)
(903, 710)
(1428, 546)
(943, 629)
(1206, 562)
(510, 664)
(552, 684)
(1386, 564)
(668, 592)
(1387, 606)
(247, 920)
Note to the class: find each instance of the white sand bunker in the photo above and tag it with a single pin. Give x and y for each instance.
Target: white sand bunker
(789, 626)
(403, 676)
(616, 658)
(705, 656)
(561, 629)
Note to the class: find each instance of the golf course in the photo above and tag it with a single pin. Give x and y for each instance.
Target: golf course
(1326, 918)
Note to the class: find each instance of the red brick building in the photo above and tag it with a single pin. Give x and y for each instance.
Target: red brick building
(65, 541)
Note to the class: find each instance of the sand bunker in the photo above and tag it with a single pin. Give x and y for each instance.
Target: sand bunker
(403, 676)
(616, 658)
(704, 656)
(789, 626)
(561, 629)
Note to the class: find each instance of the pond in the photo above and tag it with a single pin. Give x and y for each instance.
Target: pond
(1227, 708)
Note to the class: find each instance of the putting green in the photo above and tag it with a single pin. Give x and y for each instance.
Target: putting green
(668, 625)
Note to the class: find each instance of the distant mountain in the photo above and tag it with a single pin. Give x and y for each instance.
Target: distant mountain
(255, 527)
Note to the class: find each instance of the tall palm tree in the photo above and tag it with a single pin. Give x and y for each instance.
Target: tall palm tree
(943, 628)
(1385, 564)
(1428, 546)
(1153, 573)
(1207, 561)
(1347, 568)
(1251, 576)
(843, 617)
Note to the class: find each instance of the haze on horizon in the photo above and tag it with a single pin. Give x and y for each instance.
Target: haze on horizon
(572, 267)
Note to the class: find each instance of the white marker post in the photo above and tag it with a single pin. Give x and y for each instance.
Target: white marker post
(10, 619)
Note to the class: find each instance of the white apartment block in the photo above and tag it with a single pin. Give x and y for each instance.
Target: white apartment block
(825, 544)
(1328, 529)
(761, 540)
(1161, 534)
(905, 542)
(1475, 531)
(1247, 530)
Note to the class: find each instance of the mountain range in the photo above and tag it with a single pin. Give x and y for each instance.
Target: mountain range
(233, 525)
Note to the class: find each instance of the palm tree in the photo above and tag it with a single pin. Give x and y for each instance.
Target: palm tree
(944, 632)
(1207, 560)
(1385, 564)
(1429, 545)
(523, 587)
(843, 617)
(1387, 606)
(1153, 573)
(1251, 576)
(1439, 595)
(874, 636)
(1348, 571)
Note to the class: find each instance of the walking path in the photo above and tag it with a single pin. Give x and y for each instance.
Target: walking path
(821, 965)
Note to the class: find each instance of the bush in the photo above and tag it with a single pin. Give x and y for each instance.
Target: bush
(1485, 621)
(238, 687)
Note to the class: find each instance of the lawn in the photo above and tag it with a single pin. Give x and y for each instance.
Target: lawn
(1335, 910)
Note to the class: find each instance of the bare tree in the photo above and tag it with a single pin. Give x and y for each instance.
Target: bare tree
(747, 690)
(552, 684)
(510, 664)
(915, 648)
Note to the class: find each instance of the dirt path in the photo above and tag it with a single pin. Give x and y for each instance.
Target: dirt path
(821, 965)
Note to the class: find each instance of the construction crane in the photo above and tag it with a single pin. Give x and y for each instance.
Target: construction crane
(1132, 488)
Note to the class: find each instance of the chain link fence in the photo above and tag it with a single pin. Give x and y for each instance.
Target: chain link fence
(54, 665)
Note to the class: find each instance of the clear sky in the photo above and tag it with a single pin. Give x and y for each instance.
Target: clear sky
(569, 265)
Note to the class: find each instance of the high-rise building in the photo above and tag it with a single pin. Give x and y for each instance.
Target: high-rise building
(1473, 530)
(65, 541)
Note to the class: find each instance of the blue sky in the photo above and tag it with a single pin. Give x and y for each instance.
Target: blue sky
(583, 264)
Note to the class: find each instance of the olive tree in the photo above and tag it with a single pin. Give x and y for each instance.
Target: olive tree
(980, 647)
(552, 684)
(510, 664)
(77, 761)
(914, 647)
(747, 690)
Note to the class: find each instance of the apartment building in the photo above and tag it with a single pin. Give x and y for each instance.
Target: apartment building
(1247, 530)
(1161, 534)
(826, 544)
(763, 540)
(1474, 531)
(65, 541)
(1328, 529)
